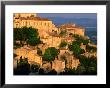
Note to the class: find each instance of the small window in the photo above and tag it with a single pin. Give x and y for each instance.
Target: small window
(45, 24)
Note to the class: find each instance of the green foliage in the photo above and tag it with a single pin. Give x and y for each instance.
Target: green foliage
(34, 41)
(80, 39)
(50, 54)
(90, 64)
(18, 34)
(75, 47)
(91, 48)
(63, 44)
(80, 69)
(28, 34)
(71, 71)
(17, 45)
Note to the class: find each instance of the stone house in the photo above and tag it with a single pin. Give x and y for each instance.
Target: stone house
(28, 53)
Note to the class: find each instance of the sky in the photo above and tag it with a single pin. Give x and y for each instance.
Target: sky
(69, 15)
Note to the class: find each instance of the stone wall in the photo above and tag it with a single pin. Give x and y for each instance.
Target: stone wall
(28, 53)
(58, 65)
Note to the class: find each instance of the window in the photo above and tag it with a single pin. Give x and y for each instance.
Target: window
(16, 25)
(45, 24)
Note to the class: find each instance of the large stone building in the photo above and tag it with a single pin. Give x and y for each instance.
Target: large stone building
(32, 20)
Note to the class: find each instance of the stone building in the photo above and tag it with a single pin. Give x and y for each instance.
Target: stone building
(58, 65)
(52, 41)
(32, 20)
(29, 53)
(72, 28)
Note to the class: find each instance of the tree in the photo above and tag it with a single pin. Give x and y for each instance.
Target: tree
(80, 70)
(70, 71)
(75, 47)
(90, 64)
(18, 35)
(23, 67)
(81, 39)
(50, 54)
(34, 41)
(27, 34)
(63, 44)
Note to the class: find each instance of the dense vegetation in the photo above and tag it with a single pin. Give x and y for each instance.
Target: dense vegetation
(50, 54)
(26, 35)
(63, 44)
(75, 47)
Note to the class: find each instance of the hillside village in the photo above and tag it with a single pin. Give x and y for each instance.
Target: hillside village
(59, 47)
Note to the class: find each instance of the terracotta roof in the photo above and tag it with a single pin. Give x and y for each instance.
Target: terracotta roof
(34, 18)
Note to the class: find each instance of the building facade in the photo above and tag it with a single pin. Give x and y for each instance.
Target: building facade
(32, 20)
(72, 28)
